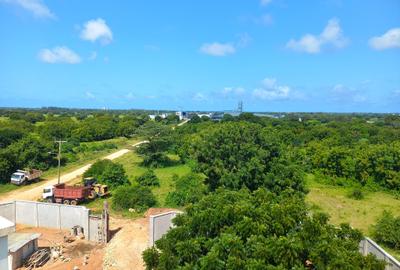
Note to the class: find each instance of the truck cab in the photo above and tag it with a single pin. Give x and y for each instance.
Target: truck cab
(21, 177)
(48, 193)
(18, 178)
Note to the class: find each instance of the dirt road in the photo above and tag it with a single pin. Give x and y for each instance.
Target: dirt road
(131, 238)
(35, 192)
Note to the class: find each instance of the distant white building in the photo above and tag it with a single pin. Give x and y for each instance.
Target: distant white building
(153, 116)
(182, 115)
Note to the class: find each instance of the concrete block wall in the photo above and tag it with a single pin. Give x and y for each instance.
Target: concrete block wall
(95, 227)
(160, 225)
(368, 246)
(7, 210)
(49, 215)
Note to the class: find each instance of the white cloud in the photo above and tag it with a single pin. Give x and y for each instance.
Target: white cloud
(90, 95)
(265, 2)
(332, 35)
(97, 30)
(37, 7)
(59, 55)
(271, 90)
(218, 49)
(391, 39)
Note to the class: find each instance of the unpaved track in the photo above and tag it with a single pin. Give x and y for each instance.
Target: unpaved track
(131, 238)
(36, 191)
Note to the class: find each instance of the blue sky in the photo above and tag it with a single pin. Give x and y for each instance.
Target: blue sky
(275, 55)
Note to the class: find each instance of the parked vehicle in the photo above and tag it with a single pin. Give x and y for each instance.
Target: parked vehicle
(98, 190)
(21, 177)
(62, 193)
(73, 195)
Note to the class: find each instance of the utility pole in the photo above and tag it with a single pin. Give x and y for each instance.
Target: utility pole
(59, 157)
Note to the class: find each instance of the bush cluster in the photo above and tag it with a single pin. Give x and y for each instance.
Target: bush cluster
(356, 194)
(136, 197)
(156, 160)
(149, 178)
(107, 172)
(387, 230)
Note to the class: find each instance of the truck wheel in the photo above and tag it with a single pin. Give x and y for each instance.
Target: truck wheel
(92, 194)
(66, 202)
(49, 200)
(74, 202)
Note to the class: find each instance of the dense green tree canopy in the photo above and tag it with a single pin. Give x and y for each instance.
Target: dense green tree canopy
(189, 188)
(241, 154)
(107, 172)
(259, 230)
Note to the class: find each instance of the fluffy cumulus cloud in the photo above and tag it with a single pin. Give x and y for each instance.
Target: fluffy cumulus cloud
(271, 90)
(390, 39)
(36, 7)
(59, 55)
(97, 29)
(218, 49)
(332, 35)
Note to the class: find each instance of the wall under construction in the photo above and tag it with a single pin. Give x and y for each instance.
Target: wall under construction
(50, 215)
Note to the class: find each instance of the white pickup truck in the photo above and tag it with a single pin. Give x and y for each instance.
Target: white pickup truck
(21, 177)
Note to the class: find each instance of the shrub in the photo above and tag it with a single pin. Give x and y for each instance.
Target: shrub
(150, 257)
(107, 172)
(189, 188)
(149, 178)
(387, 230)
(356, 194)
(137, 197)
(97, 168)
(156, 160)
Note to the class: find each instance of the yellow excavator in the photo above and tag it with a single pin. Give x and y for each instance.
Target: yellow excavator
(98, 190)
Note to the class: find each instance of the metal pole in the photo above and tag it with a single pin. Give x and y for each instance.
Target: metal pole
(59, 158)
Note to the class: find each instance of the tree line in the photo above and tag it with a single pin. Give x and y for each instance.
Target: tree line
(27, 137)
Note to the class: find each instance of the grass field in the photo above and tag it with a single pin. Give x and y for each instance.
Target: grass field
(360, 214)
(131, 163)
